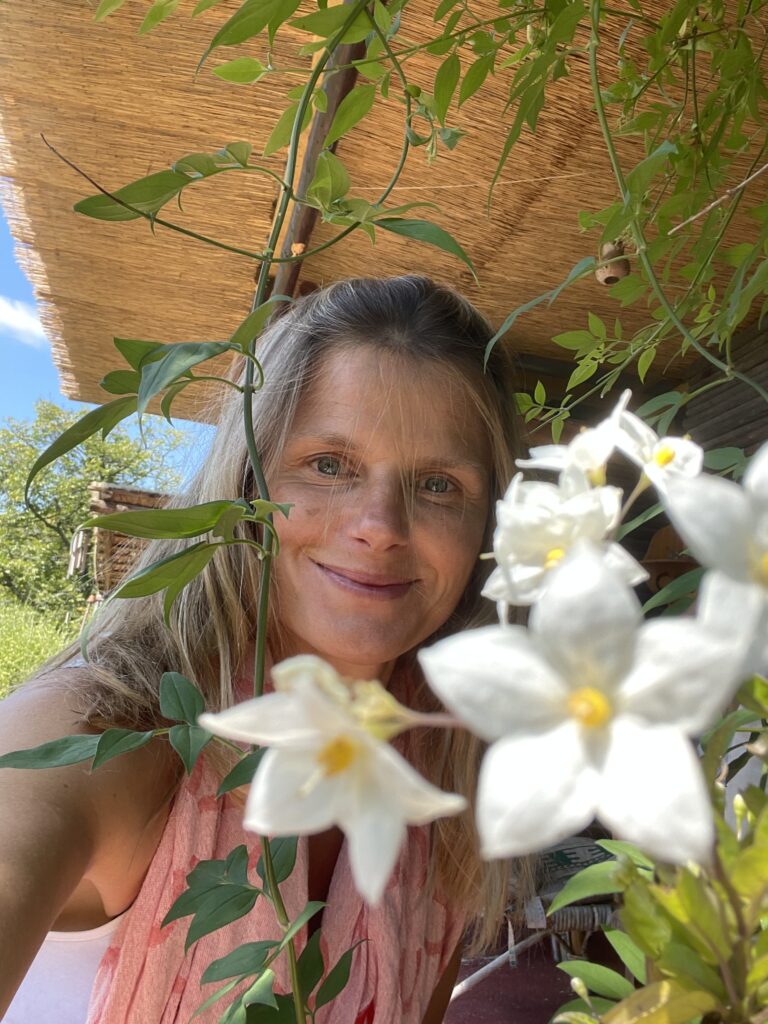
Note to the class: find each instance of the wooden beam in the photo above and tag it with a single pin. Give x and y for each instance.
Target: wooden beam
(303, 218)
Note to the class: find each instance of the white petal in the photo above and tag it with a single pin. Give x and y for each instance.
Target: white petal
(654, 793)
(308, 669)
(737, 612)
(546, 456)
(534, 791)
(715, 519)
(756, 477)
(285, 719)
(586, 621)
(619, 561)
(687, 461)
(495, 681)
(635, 438)
(288, 796)
(683, 675)
(417, 801)
(375, 832)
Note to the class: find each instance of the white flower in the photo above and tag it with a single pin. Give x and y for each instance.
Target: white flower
(539, 523)
(586, 454)
(588, 712)
(328, 765)
(661, 458)
(726, 528)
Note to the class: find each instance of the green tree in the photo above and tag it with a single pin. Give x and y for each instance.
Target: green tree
(34, 549)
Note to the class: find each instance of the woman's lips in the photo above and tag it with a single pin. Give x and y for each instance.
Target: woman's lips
(366, 584)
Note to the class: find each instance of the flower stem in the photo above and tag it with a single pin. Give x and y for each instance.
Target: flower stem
(637, 232)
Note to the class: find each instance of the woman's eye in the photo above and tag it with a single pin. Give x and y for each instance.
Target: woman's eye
(327, 465)
(438, 485)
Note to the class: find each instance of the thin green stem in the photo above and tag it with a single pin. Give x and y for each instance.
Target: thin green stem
(636, 229)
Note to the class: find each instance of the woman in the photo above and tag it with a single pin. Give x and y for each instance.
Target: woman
(378, 425)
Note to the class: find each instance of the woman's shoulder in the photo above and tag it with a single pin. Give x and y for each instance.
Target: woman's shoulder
(120, 796)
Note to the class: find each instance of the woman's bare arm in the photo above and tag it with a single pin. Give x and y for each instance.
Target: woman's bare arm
(59, 826)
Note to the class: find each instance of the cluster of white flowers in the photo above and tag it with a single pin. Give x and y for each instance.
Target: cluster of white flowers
(589, 711)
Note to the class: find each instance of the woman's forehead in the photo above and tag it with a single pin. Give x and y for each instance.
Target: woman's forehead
(365, 394)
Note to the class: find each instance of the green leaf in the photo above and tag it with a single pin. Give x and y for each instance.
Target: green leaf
(239, 151)
(189, 741)
(53, 754)
(107, 7)
(336, 978)
(146, 195)
(281, 133)
(251, 19)
(539, 393)
(687, 966)
(565, 24)
(284, 1014)
(628, 952)
(596, 326)
(599, 979)
(242, 773)
(475, 76)
(121, 382)
(159, 11)
(137, 353)
(330, 182)
(105, 418)
(260, 993)
(620, 847)
(171, 574)
(167, 522)
(641, 176)
(629, 289)
(254, 323)
(446, 80)
(176, 360)
(114, 742)
(684, 586)
(594, 880)
(204, 5)
(587, 368)
(220, 907)
(352, 109)
(644, 362)
(312, 908)
(169, 397)
(580, 342)
(425, 231)
(328, 22)
(283, 849)
(310, 965)
(246, 959)
(242, 70)
(644, 517)
(576, 1010)
(180, 700)
(663, 1002)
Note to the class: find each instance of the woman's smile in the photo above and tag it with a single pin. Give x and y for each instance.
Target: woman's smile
(379, 586)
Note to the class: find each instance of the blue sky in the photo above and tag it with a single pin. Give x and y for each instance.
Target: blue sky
(25, 350)
(26, 355)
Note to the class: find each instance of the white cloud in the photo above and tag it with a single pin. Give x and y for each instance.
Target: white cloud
(19, 321)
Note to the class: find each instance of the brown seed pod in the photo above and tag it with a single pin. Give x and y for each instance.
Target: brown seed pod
(618, 268)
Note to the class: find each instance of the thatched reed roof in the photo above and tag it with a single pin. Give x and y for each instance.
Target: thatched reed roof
(122, 105)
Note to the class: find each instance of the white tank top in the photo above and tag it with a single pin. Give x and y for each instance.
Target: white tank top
(58, 983)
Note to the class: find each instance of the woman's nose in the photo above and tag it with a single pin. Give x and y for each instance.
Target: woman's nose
(380, 516)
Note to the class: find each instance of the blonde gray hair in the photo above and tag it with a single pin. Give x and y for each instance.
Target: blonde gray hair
(212, 622)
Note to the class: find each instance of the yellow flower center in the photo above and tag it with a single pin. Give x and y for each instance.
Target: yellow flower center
(553, 557)
(664, 455)
(590, 707)
(337, 755)
(761, 569)
(597, 477)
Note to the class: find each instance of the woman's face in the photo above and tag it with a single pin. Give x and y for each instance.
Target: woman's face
(387, 466)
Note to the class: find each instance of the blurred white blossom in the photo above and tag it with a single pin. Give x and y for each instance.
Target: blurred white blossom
(661, 458)
(329, 764)
(586, 454)
(726, 528)
(539, 523)
(589, 713)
